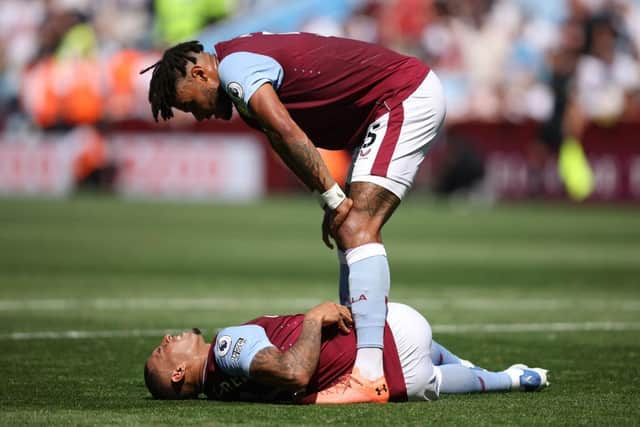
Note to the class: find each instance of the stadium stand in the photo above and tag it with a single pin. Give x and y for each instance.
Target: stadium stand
(557, 71)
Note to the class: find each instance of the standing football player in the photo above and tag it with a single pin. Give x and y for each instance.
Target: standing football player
(306, 91)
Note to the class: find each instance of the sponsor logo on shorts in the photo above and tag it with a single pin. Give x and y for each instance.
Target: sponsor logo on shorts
(223, 346)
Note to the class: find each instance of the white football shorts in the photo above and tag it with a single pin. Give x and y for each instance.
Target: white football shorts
(397, 142)
(412, 334)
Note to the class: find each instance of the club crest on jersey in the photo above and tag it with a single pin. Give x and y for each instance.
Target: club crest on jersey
(235, 91)
(223, 346)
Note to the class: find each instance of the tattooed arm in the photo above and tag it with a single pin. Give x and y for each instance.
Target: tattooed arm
(292, 369)
(296, 150)
(289, 141)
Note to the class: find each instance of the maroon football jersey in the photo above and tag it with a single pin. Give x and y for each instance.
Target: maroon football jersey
(333, 87)
(337, 356)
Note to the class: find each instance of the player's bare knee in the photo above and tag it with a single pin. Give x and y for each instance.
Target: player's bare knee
(356, 231)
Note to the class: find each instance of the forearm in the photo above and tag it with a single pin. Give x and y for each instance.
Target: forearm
(304, 160)
(305, 353)
(292, 368)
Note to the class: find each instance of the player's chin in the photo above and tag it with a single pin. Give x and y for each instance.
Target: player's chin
(197, 334)
(223, 107)
(225, 114)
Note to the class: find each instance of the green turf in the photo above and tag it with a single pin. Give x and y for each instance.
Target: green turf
(99, 264)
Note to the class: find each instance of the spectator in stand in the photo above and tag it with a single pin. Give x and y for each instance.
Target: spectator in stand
(401, 23)
(561, 60)
(607, 77)
(442, 48)
(362, 24)
(488, 52)
(477, 35)
(606, 88)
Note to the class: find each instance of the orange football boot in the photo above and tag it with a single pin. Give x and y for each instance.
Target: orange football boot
(352, 388)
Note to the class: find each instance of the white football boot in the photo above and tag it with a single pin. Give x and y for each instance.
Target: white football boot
(525, 378)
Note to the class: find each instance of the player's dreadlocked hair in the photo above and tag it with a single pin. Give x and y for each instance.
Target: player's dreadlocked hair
(162, 89)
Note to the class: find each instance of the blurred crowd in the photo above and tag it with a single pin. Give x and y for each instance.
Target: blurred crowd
(518, 59)
(560, 62)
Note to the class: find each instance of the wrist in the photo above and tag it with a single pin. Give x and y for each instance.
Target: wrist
(314, 315)
(332, 198)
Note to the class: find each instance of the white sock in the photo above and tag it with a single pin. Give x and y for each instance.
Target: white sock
(369, 282)
(369, 362)
(514, 373)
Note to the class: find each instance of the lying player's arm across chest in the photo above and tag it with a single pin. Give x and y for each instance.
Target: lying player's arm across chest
(246, 350)
(291, 369)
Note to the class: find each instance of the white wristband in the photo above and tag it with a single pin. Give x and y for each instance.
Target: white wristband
(332, 197)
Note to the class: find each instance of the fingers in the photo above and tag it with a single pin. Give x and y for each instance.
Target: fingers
(343, 326)
(334, 314)
(336, 223)
(339, 216)
(333, 220)
(345, 313)
(345, 321)
(326, 237)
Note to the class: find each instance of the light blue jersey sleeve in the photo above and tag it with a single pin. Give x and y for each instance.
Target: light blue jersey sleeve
(242, 73)
(236, 347)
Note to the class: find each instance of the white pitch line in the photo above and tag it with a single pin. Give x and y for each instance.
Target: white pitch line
(439, 329)
(108, 304)
(538, 327)
(252, 303)
(81, 335)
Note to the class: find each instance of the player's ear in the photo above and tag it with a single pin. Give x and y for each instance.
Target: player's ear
(178, 373)
(198, 72)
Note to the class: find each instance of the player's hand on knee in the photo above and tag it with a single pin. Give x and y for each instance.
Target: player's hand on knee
(326, 237)
(333, 219)
(340, 214)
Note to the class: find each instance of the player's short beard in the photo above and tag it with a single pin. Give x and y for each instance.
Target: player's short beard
(223, 105)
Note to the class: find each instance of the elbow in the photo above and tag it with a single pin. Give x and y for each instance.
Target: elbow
(299, 379)
(302, 379)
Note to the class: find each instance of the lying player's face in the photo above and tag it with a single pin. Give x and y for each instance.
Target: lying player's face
(175, 349)
(203, 98)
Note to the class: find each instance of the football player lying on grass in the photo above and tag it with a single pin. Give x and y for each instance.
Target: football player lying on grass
(309, 358)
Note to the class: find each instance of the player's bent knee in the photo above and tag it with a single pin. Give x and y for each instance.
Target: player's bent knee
(356, 231)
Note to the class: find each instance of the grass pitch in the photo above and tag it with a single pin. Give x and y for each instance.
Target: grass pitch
(88, 285)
